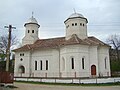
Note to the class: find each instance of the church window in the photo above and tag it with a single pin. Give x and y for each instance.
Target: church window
(32, 31)
(46, 64)
(83, 25)
(72, 24)
(35, 65)
(28, 31)
(80, 24)
(72, 60)
(105, 62)
(67, 26)
(41, 65)
(21, 54)
(75, 24)
(21, 59)
(83, 63)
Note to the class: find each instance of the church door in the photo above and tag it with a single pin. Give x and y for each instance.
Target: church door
(93, 70)
(21, 69)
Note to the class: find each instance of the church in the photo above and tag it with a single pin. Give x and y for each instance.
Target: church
(76, 55)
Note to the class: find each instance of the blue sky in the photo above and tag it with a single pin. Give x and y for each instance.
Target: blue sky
(103, 16)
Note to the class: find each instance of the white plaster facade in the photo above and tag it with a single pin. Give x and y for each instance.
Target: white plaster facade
(65, 60)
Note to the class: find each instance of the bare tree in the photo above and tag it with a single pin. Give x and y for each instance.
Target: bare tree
(114, 41)
(4, 43)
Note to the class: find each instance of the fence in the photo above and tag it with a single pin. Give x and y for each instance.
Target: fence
(70, 80)
(60, 75)
(6, 77)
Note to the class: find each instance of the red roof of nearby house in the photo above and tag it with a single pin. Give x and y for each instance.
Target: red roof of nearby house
(58, 42)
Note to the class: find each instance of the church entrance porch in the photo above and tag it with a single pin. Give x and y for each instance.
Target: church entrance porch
(93, 70)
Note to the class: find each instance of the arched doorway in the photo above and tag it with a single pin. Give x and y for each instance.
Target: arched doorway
(21, 69)
(93, 70)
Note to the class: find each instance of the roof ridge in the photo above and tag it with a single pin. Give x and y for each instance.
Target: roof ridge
(28, 46)
(76, 38)
(52, 38)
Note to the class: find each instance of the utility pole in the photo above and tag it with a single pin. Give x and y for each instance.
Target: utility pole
(8, 47)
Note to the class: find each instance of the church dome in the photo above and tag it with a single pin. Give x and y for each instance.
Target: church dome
(31, 20)
(76, 15)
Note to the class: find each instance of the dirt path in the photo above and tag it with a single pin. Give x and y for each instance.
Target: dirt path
(23, 86)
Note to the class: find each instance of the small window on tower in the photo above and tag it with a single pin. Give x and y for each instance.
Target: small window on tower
(75, 24)
(32, 31)
(28, 31)
(80, 24)
(67, 26)
(21, 59)
(72, 24)
(83, 25)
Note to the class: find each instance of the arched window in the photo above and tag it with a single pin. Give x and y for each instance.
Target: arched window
(75, 24)
(21, 69)
(83, 63)
(80, 24)
(40, 64)
(67, 26)
(72, 63)
(21, 59)
(46, 64)
(83, 24)
(35, 65)
(32, 31)
(28, 31)
(63, 64)
(72, 24)
(105, 60)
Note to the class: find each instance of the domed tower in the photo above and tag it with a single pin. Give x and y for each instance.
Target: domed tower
(76, 24)
(31, 33)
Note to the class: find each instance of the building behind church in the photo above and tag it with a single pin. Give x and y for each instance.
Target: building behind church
(75, 55)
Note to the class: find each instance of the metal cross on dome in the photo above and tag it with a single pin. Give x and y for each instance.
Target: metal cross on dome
(32, 13)
(74, 10)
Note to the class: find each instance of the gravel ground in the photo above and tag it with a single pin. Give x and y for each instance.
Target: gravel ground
(24, 86)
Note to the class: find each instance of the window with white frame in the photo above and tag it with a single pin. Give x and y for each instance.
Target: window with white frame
(72, 63)
(83, 62)
(35, 65)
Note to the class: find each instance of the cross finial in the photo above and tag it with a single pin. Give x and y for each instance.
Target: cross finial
(74, 10)
(32, 13)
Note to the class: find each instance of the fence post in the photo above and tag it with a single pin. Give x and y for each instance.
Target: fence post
(46, 75)
(96, 80)
(75, 74)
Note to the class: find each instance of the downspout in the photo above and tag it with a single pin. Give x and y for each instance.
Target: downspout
(59, 60)
(30, 74)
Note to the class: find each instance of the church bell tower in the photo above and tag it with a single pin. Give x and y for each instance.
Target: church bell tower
(76, 24)
(31, 32)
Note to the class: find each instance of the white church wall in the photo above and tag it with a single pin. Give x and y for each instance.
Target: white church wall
(103, 53)
(93, 56)
(52, 55)
(22, 59)
(77, 52)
